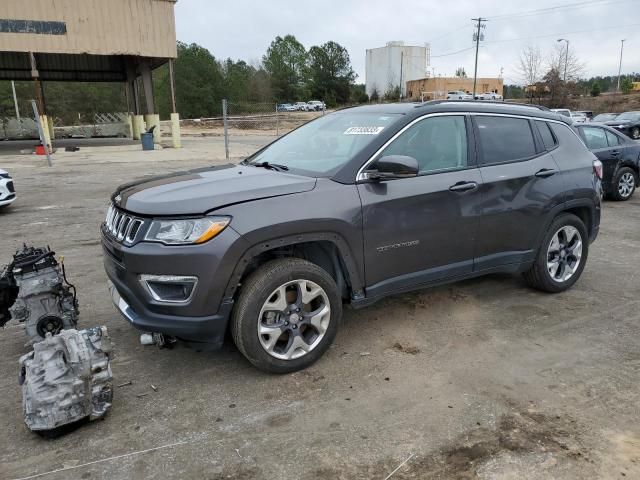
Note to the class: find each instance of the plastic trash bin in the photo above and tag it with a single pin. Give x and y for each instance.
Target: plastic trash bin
(147, 140)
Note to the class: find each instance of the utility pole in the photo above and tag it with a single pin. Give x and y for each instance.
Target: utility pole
(620, 65)
(566, 59)
(477, 35)
(15, 99)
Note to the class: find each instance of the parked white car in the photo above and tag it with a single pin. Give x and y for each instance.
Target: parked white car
(7, 191)
(300, 106)
(562, 111)
(490, 96)
(579, 117)
(459, 95)
(315, 106)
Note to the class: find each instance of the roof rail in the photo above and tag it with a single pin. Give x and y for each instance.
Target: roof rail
(485, 102)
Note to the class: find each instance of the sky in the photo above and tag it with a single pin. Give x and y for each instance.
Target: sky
(243, 29)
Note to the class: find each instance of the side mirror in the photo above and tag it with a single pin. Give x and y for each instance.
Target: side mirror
(393, 166)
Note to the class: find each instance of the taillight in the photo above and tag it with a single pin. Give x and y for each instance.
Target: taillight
(597, 168)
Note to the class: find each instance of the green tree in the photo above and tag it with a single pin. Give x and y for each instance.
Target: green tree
(199, 83)
(595, 89)
(359, 93)
(285, 63)
(626, 85)
(330, 73)
(461, 73)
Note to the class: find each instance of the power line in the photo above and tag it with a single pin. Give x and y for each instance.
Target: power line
(620, 27)
(542, 11)
(453, 53)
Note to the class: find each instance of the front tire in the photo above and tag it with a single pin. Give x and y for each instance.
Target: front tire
(286, 316)
(624, 184)
(561, 257)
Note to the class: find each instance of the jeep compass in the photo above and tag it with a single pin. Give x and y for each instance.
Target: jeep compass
(347, 209)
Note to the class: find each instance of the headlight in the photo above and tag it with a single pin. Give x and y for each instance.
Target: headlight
(187, 231)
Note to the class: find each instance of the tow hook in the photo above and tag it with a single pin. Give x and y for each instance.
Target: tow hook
(158, 339)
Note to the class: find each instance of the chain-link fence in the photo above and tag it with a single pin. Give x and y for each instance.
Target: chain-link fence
(242, 121)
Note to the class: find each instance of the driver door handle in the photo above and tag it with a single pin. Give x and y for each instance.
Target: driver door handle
(546, 172)
(463, 186)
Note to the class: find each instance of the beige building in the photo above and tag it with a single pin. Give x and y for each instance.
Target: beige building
(89, 41)
(435, 88)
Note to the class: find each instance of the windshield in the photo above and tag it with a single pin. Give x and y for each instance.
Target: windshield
(633, 116)
(605, 117)
(321, 147)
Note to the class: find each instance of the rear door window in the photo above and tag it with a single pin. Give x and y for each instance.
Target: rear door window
(504, 139)
(595, 138)
(548, 139)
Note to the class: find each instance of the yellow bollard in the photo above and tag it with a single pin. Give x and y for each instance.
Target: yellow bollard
(45, 130)
(52, 133)
(138, 126)
(175, 130)
(152, 119)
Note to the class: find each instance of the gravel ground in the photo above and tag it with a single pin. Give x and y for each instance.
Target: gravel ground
(482, 379)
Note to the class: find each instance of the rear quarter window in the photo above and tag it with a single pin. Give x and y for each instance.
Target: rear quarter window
(548, 139)
(572, 149)
(504, 139)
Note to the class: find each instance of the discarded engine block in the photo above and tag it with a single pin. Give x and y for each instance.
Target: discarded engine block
(34, 290)
(66, 379)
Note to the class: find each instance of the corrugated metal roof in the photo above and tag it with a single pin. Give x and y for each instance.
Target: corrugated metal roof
(66, 67)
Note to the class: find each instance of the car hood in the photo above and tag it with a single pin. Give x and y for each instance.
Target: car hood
(199, 191)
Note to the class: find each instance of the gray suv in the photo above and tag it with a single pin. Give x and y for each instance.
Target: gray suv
(347, 209)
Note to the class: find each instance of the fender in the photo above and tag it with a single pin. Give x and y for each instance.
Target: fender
(270, 244)
(579, 202)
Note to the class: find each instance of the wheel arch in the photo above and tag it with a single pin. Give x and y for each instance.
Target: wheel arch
(326, 249)
(583, 209)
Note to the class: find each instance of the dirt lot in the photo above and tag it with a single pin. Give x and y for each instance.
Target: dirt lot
(482, 379)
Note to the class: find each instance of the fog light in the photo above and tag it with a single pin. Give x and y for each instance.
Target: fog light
(169, 288)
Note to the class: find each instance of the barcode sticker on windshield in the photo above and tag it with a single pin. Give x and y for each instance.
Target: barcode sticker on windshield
(363, 130)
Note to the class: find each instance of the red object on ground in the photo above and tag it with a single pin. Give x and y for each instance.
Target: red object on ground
(40, 150)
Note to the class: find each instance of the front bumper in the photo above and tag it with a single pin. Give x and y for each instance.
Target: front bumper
(7, 191)
(210, 330)
(205, 316)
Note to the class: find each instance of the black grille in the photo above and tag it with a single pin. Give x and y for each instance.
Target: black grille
(10, 187)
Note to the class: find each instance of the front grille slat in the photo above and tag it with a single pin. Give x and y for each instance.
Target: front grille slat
(123, 227)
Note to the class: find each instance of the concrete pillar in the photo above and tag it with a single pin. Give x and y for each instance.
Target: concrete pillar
(52, 133)
(129, 127)
(175, 130)
(138, 126)
(153, 119)
(147, 85)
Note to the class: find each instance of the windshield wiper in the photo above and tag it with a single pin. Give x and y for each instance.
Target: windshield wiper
(271, 166)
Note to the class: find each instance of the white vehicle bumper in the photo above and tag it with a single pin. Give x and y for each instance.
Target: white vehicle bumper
(7, 193)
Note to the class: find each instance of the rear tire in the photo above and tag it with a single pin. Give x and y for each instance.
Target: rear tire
(635, 133)
(561, 257)
(286, 316)
(624, 184)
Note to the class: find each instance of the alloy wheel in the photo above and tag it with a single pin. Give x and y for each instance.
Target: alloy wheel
(564, 254)
(626, 184)
(635, 133)
(294, 319)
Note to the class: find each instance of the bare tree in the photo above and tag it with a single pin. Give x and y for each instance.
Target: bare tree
(559, 58)
(530, 68)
